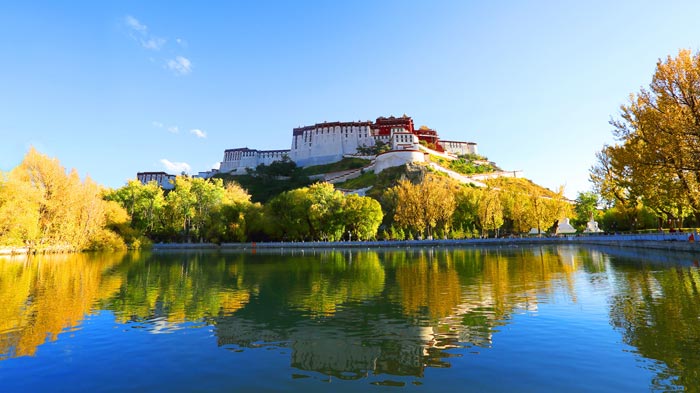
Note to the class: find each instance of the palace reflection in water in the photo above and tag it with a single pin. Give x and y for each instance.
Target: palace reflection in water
(349, 314)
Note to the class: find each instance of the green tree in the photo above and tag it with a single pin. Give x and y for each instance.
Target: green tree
(362, 216)
(586, 207)
(232, 217)
(193, 208)
(145, 203)
(325, 211)
(208, 200)
(286, 215)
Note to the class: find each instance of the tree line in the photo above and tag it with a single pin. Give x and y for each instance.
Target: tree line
(434, 206)
(45, 208)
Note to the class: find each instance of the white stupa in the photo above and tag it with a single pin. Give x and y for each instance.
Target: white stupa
(564, 228)
(534, 231)
(592, 227)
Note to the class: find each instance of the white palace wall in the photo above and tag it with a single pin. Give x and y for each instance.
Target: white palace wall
(320, 144)
(459, 148)
(238, 160)
(397, 158)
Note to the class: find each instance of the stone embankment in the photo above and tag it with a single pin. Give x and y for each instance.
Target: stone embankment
(55, 249)
(672, 241)
(13, 250)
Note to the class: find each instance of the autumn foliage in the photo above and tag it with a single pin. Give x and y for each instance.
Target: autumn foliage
(45, 208)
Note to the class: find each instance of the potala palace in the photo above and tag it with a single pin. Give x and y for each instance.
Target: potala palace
(325, 143)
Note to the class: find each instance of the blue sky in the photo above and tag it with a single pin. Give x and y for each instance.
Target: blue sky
(116, 87)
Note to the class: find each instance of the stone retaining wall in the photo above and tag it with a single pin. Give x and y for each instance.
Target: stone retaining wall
(673, 241)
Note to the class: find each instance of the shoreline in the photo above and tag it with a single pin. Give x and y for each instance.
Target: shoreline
(666, 241)
(660, 241)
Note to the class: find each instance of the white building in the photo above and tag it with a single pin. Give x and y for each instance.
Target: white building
(458, 148)
(207, 174)
(325, 143)
(401, 140)
(238, 160)
(163, 179)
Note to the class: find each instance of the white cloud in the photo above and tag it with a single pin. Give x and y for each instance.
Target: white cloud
(199, 133)
(135, 24)
(154, 43)
(176, 167)
(139, 32)
(157, 124)
(179, 65)
(174, 129)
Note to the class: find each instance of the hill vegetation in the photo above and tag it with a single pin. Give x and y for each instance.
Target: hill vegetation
(345, 164)
(466, 165)
(267, 181)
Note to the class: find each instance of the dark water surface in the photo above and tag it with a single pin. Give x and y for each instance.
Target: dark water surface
(499, 319)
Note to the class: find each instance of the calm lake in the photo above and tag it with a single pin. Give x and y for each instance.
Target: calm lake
(558, 318)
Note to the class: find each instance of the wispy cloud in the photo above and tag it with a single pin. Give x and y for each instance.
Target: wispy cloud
(198, 133)
(179, 65)
(135, 24)
(177, 167)
(154, 43)
(139, 32)
(170, 129)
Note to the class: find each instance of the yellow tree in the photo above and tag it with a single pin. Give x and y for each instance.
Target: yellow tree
(439, 203)
(516, 206)
(426, 206)
(659, 135)
(408, 210)
(465, 217)
(235, 205)
(52, 187)
(362, 216)
(490, 210)
(19, 212)
(68, 212)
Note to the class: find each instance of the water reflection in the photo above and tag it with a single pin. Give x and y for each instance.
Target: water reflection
(405, 313)
(178, 287)
(658, 312)
(43, 296)
(350, 315)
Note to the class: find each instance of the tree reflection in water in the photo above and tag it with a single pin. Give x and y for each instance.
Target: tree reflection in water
(658, 312)
(350, 314)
